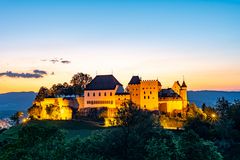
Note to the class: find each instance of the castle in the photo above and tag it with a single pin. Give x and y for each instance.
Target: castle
(105, 91)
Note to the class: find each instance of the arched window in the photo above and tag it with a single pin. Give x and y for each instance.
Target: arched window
(99, 94)
(94, 94)
(110, 93)
(105, 94)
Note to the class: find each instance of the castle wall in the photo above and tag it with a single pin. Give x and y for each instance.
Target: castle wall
(149, 94)
(80, 101)
(168, 105)
(64, 112)
(134, 90)
(120, 99)
(99, 98)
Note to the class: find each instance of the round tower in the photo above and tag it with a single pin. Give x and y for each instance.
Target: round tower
(183, 93)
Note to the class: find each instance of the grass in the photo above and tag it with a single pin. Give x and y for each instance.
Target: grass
(73, 128)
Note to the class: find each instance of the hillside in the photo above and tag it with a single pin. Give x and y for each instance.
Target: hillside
(15, 101)
(210, 97)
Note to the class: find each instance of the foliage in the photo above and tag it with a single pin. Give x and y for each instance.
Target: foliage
(35, 111)
(195, 148)
(35, 142)
(16, 117)
(81, 79)
(42, 93)
(78, 82)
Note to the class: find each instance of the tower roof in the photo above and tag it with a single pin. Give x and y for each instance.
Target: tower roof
(184, 84)
(135, 80)
(103, 82)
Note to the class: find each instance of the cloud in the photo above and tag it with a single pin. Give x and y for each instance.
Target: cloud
(54, 61)
(40, 72)
(35, 74)
(57, 60)
(65, 62)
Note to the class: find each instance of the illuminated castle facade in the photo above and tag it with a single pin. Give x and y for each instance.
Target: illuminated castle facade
(105, 91)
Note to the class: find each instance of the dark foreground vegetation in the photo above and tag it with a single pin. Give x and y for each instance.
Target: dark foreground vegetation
(212, 134)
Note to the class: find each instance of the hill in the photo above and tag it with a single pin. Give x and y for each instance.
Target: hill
(210, 97)
(15, 101)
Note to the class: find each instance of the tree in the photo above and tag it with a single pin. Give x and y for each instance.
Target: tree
(222, 107)
(81, 79)
(16, 117)
(164, 146)
(35, 111)
(136, 126)
(195, 148)
(43, 93)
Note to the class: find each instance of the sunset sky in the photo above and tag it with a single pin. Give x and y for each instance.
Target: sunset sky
(43, 42)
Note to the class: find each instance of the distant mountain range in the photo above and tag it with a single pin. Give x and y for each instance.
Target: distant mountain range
(210, 97)
(21, 101)
(15, 101)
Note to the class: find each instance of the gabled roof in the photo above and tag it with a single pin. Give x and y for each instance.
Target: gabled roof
(103, 82)
(135, 80)
(167, 93)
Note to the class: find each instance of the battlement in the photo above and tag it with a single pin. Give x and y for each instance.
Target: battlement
(149, 81)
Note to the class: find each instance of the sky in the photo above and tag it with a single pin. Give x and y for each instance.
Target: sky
(43, 42)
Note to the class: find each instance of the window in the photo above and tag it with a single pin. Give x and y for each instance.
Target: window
(99, 94)
(133, 94)
(144, 106)
(144, 92)
(144, 97)
(105, 94)
(110, 93)
(94, 94)
(143, 88)
(88, 94)
(136, 94)
(118, 98)
(148, 97)
(150, 92)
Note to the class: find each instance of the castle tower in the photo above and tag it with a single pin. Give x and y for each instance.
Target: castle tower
(183, 94)
(134, 89)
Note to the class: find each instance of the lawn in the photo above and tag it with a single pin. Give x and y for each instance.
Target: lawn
(73, 128)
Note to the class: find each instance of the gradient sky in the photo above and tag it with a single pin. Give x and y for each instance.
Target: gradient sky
(163, 39)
